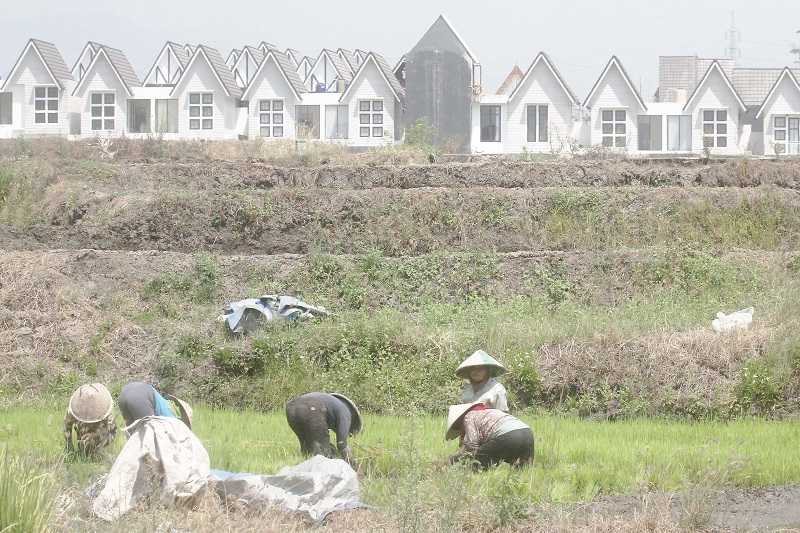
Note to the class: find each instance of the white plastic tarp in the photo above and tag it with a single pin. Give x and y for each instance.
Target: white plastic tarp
(735, 321)
(243, 316)
(161, 455)
(316, 488)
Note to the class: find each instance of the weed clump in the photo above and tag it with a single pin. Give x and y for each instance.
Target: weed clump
(27, 495)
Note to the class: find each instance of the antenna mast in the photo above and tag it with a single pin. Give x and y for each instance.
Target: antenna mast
(734, 38)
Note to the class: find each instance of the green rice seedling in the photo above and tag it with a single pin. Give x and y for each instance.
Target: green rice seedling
(26, 495)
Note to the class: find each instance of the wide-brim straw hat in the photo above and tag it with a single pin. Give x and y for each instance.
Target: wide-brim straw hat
(454, 415)
(184, 408)
(356, 425)
(480, 358)
(91, 403)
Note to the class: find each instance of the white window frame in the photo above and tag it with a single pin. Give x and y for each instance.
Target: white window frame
(789, 147)
(107, 111)
(537, 134)
(204, 119)
(271, 122)
(617, 137)
(371, 118)
(715, 129)
(50, 105)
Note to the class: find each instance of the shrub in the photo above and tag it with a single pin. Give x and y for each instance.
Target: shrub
(757, 389)
(26, 496)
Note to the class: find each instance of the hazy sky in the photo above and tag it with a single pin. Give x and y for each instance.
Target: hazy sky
(579, 35)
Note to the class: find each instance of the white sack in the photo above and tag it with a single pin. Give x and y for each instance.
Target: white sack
(161, 450)
(735, 321)
(315, 487)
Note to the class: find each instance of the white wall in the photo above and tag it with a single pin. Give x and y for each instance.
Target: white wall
(614, 93)
(271, 85)
(370, 85)
(102, 79)
(715, 94)
(200, 78)
(31, 73)
(785, 101)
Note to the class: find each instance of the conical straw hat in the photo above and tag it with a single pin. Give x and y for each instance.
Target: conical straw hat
(480, 358)
(355, 425)
(454, 415)
(185, 409)
(91, 403)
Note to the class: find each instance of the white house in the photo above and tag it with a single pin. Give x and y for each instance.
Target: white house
(38, 92)
(613, 106)
(330, 73)
(246, 65)
(230, 61)
(102, 93)
(208, 98)
(716, 110)
(780, 114)
(275, 95)
(374, 102)
(349, 59)
(168, 66)
(540, 114)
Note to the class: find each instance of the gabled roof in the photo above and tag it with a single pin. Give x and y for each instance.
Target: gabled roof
(349, 59)
(400, 63)
(119, 64)
(294, 56)
(786, 73)
(715, 66)
(341, 68)
(265, 46)
(615, 62)
(90, 46)
(511, 81)
(544, 58)
(256, 55)
(386, 73)
(178, 52)
(753, 83)
(443, 22)
(233, 57)
(51, 59)
(189, 49)
(223, 74)
(285, 67)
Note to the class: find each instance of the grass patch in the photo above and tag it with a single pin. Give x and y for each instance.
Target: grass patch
(27, 495)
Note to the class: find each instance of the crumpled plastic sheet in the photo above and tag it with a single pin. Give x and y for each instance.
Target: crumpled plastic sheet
(740, 320)
(243, 316)
(315, 488)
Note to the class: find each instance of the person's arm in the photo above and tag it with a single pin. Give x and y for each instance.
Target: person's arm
(343, 422)
(69, 422)
(501, 399)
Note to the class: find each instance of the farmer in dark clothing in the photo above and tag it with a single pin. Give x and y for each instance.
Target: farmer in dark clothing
(489, 436)
(312, 415)
(138, 400)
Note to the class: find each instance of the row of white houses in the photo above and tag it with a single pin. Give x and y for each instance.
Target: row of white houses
(191, 92)
(355, 98)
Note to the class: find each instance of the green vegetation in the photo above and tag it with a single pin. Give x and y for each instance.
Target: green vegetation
(402, 460)
(27, 493)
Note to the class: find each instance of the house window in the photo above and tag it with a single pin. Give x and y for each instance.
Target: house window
(536, 117)
(139, 116)
(270, 118)
(45, 104)
(650, 133)
(490, 123)
(715, 128)
(679, 133)
(370, 118)
(307, 121)
(103, 111)
(201, 111)
(5, 108)
(787, 135)
(614, 123)
(336, 123)
(166, 116)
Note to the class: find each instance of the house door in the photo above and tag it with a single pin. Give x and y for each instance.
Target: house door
(794, 136)
(139, 116)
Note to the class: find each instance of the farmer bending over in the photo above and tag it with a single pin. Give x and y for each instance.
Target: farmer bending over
(489, 436)
(90, 414)
(138, 400)
(481, 369)
(312, 415)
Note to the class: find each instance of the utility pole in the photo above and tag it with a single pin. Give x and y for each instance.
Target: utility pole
(734, 38)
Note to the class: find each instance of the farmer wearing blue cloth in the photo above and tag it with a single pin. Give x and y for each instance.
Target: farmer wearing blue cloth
(138, 400)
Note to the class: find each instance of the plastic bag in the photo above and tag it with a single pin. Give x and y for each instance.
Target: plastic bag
(739, 320)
